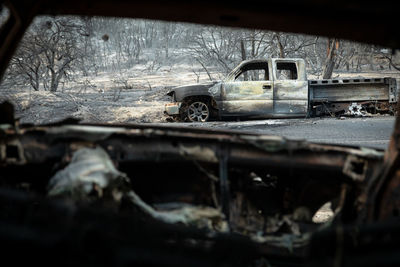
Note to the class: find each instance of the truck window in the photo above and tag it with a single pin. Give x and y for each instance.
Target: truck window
(286, 71)
(254, 72)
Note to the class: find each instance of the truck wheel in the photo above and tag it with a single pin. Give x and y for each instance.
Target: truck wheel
(198, 111)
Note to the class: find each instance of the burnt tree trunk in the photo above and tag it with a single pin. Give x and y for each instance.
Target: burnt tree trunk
(244, 56)
(333, 45)
(280, 46)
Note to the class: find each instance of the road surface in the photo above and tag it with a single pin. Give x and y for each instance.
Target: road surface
(366, 131)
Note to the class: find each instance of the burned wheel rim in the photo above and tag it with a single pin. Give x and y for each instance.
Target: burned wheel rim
(198, 111)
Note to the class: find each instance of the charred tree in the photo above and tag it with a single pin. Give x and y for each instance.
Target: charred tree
(280, 45)
(331, 52)
(244, 57)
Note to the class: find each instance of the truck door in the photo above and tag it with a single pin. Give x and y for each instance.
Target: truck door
(290, 87)
(250, 92)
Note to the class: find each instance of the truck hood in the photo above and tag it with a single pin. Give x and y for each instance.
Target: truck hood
(180, 92)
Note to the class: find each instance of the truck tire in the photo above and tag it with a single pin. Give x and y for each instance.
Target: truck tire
(198, 111)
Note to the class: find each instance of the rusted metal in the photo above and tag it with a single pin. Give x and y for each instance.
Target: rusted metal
(201, 149)
(382, 195)
(355, 168)
(224, 181)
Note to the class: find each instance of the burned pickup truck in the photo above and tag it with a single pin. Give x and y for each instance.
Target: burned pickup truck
(274, 88)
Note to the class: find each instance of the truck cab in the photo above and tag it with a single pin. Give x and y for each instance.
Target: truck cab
(265, 88)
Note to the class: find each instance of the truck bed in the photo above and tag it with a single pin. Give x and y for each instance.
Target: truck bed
(337, 95)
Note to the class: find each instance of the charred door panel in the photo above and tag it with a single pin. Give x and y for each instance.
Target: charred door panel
(290, 97)
(295, 107)
(290, 87)
(247, 98)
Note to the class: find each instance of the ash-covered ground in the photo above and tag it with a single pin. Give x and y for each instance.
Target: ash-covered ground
(93, 107)
(103, 100)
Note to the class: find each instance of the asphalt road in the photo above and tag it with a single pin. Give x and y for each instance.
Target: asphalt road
(366, 131)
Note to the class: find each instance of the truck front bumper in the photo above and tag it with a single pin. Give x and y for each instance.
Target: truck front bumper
(172, 108)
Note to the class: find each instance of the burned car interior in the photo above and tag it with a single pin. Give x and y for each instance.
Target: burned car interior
(80, 194)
